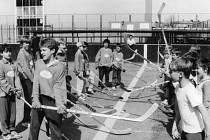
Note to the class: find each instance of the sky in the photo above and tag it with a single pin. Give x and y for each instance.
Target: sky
(115, 6)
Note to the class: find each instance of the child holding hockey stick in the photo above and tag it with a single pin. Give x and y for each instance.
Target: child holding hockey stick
(82, 71)
(195, 120)
(203, 70)
(117, 67)
(49, 88)
(9, 86)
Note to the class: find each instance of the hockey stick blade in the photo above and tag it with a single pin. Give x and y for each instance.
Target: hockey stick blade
(149, 112)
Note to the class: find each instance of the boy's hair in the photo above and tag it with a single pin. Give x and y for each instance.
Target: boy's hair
(106, 41)
(118, 45)
(49, 43)
(204, 63)
(183, 65)
(5, 47)
(25, 40)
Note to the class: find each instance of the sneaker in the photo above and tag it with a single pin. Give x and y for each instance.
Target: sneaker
(164, 102)
(90, 92)
(7, 137)
(113, 88)
(26, 124)
(15, 135)
(82, 97)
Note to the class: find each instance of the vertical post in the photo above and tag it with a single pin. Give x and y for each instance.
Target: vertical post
(2, 39)
(101, 26)
(130, 18)
(72, 36)
(145, 52)
(158, 51)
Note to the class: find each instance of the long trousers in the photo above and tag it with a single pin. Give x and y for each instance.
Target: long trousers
(103, 70)
(54, 119)
(7, 113)
(193, 136)
(82, 83)
(116, 77)
(27, 89)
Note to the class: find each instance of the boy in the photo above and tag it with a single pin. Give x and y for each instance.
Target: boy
(117, 66)
(25, 67)
(9, 84)
(81, 69)
(49, 88)
(103, 61)
(189, 107)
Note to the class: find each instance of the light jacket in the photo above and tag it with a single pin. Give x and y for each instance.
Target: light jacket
(49, 80)
(104, 57)
(25, 64)
(8, 77)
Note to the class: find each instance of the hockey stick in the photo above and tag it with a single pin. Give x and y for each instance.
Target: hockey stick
(150, 86)
(111, 130)
(148, 113)
(150, 62)
(133, 56)
(89, 106)
(161, 25)
(109, 92)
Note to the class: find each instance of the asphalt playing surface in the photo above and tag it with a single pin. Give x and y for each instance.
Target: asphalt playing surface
(156, 127)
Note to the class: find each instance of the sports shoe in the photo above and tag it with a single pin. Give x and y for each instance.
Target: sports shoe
(15, 135)
(90, 92)
(26, 124)
(113, 88)
(164, 102)
(7, 137)
(82, 97)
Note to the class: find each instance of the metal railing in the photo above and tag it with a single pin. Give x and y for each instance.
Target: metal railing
(9, 32)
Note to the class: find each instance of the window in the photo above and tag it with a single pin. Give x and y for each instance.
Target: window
(19, 2)
(19, 11)
(33, 11)
(26, 11)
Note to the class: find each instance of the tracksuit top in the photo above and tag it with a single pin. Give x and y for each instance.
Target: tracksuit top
(81, 62)
(25, 64)
(118, 59)
(49, 80)
(8, 77)
(104, 57)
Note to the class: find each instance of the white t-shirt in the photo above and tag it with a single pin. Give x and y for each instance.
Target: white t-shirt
(188, 98)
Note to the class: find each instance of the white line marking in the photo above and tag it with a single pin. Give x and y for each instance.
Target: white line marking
(100, 135)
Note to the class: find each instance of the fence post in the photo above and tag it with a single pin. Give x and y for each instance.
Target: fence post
(1, 34)
(145, 52)
(72, 35)
(101, 26)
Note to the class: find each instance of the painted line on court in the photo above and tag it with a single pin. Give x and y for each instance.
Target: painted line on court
(102, 133)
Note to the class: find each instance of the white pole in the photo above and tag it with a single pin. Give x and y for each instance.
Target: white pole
(145, 52)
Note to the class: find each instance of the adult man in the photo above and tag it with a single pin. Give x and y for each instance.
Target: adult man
(49, 89)
(25, 67)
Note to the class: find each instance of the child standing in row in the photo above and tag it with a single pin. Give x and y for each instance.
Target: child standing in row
(195, 120)
(103, 61)
(117, 66)
(204, 81)
(9, 84)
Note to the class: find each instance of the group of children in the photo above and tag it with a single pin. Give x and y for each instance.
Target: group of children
(190, 83)
(40, 83)
(44, 83)
(106, 60)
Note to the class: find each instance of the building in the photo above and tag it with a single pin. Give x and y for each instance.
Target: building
(29, 16)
